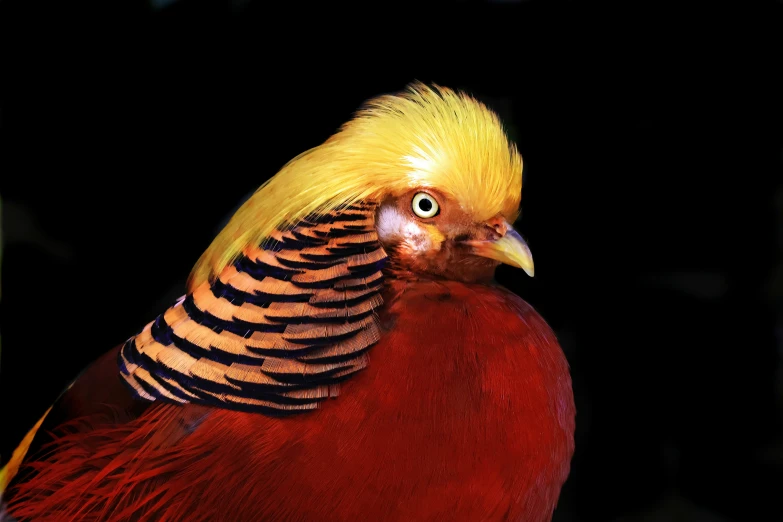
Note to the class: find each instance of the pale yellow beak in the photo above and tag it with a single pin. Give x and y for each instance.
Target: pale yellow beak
(510, 249)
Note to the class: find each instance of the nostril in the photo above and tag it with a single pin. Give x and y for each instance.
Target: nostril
(498, 224)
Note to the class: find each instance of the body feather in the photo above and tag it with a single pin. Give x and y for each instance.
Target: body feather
(449, 424)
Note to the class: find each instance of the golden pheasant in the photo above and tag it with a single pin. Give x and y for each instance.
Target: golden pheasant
(342, 351)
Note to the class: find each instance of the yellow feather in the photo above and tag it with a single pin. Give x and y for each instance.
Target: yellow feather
(9, 471)
(423, 137)
(436, 236)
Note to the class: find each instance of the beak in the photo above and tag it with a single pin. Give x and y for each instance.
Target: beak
(510, 248)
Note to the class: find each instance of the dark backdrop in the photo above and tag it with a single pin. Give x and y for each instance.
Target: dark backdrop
(131, 131)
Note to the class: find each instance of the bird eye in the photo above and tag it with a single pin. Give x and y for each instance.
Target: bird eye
(425, 205)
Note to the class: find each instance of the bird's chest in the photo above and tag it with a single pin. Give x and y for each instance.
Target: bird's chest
(457, 417)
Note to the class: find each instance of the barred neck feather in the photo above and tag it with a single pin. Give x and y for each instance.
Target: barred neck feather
(277, 330)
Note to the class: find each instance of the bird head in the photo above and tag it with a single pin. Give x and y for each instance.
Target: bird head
(445, 177)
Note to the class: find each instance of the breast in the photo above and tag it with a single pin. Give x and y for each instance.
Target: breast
(465, 412)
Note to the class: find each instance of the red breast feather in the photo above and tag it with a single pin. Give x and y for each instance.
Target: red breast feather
(464, 413)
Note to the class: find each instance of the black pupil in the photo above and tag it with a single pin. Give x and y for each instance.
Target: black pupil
(425, 204)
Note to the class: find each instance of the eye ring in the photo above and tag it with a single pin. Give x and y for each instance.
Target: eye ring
(424, 205)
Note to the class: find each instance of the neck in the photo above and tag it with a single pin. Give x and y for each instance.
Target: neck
(470, 270)
(277, 330)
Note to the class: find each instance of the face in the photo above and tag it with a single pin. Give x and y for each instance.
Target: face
(426, 232)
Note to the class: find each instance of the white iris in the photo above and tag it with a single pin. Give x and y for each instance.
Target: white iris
(424, 205)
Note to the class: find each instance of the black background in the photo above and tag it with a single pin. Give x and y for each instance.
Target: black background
(651, 202)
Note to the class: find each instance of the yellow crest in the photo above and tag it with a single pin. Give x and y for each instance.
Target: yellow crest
(423, 137)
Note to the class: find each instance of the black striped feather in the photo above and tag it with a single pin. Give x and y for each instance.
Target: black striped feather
(277, 330)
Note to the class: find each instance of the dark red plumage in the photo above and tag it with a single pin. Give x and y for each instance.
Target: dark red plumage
(446, 422)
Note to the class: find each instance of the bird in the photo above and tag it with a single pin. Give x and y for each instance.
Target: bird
(342, 351)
